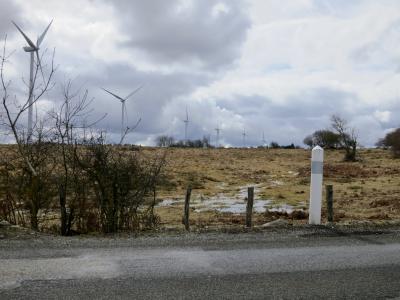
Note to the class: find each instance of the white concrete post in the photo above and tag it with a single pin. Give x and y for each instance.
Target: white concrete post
(317, 160)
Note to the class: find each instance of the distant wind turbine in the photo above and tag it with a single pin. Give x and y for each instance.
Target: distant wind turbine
(33, 49)
(123, 112)
(244, 138)
(218, 130)
(264, 142)
(186, 121)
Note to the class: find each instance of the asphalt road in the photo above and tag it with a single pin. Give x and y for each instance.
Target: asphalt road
(277, 265)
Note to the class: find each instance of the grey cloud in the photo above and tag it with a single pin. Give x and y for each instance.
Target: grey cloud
(155, 28)
(305, 104)
(167, 36)
(8, 11)
(299, 115)
(207, 46)
(149, 103)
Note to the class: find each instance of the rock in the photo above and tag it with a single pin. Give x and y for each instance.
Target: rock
(4, 223)
(276, 223)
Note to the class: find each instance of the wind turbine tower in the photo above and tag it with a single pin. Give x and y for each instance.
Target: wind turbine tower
(33, 49)
(218, 130)
(264, 142)
(123, 108)
(186, 121)
(244, 138)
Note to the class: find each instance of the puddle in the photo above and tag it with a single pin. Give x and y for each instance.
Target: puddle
(259, 206)
(282, 208)
(168, 202)
(224, 204)
(235, 204)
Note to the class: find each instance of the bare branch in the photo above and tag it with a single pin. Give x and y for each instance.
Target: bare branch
(128, 130)
(12, 118)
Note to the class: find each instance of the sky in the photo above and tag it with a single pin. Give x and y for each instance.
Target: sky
(276, 67)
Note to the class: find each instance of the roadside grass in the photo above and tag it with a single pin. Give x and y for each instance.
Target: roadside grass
(367, 189)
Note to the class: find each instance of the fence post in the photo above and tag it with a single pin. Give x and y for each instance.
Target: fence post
(317, 159)
(186, 212)
(329, 202)
(249, 207)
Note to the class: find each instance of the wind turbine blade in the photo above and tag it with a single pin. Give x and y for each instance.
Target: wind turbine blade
(126, 114)
(30, 43)
(40, 65)
(187, 115)
(134, 92)
(116, 96)
(122, 119)
(40, 39)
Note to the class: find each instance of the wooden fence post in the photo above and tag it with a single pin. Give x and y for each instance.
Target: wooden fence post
(249, 208)
(186, 212)
(329, 202)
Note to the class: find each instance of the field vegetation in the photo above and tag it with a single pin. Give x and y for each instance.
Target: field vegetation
(367, 189)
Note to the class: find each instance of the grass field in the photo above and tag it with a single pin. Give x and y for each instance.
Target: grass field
(367, 190)
(364, 190)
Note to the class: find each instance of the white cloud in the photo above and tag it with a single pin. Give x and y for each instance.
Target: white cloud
(282, 67)
(382, 116)
(300, 46)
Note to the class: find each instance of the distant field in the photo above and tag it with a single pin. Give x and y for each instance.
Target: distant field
(365, 190)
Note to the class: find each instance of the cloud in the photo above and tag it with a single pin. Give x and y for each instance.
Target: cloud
(8, 11)
(311, 59)
(172, 48)
(199, 34)
(382, 116)
(273, 66)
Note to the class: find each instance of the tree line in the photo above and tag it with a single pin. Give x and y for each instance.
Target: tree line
(169, 141)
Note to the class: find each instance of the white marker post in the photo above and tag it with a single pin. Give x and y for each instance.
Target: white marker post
(317, 161)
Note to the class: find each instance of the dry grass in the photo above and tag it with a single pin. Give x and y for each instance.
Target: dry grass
(368, 189)
(364, 190)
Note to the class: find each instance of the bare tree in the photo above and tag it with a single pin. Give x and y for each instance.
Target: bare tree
(348, 137)
(88, 176)
(74, 108)
(164, 141)
(35, 155)
(121, 181)
(14, 109)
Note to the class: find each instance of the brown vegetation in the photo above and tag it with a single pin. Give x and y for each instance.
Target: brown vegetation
(283, 177)
(363, 190)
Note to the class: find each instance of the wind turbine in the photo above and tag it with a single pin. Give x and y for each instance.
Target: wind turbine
(123, 100)
(264, 142)
(186, 121)
(32, 48)
(244, 138)
(217, 141)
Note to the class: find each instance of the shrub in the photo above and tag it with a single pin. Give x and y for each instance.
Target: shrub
(391, 141)
(324, 138)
